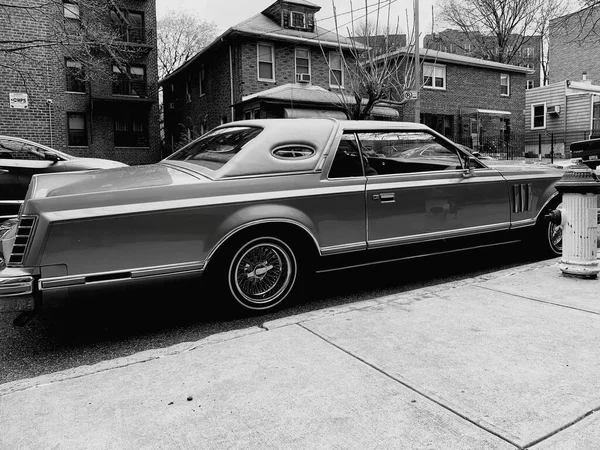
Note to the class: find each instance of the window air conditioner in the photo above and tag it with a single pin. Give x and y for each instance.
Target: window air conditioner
(303, 77)
(554, 110)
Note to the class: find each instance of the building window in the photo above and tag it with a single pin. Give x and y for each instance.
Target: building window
(302, 64)
(538, 116)
(130, 80)
(530, 84)
(504, 84)
(71, 10)
(434, 76)
(75, 76)
(298, 20)
(266, 62)
(202, 81)
(529, 52)
(76, 129)
(129, 25)
(336, 71)
(131, 130)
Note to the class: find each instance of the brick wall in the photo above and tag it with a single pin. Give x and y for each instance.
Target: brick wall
(46, 122)
(472, 87)
(573, 47)
(216, 103)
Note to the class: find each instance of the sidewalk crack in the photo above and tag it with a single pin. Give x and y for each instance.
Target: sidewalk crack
(539, 301)
(417, 391)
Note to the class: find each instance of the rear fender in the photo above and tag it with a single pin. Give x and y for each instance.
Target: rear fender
(261, 215)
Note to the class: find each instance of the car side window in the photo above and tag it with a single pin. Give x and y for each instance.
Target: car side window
(347, 161)
(10, 149)
(401, 152)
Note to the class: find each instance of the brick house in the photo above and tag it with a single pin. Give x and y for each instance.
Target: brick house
(529, 55)
(472, 101)
(278, 63)
(574, 46)
(113, 114)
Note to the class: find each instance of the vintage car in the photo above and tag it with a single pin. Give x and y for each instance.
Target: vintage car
(20, 159)
(255, 205)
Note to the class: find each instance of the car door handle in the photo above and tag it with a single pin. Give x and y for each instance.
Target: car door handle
(3, 171)
(387, 197)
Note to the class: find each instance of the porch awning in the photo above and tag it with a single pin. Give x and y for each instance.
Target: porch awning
(300, 113)
(494, 112)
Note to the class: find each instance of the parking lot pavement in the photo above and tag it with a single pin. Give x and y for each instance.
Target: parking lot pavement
(505, 360)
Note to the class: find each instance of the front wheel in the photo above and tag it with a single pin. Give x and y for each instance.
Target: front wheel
(550, 237)
(262, 273)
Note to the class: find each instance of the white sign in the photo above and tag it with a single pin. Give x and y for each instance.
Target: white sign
(18, 100)
(410, 95)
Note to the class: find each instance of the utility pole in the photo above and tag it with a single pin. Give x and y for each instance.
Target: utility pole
(417, 63)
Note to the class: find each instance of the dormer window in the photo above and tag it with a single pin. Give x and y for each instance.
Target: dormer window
(298, 20)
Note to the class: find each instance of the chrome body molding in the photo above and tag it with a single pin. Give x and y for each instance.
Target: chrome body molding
(344, 248)
(424, 237)
(121, 275)
(523, 223)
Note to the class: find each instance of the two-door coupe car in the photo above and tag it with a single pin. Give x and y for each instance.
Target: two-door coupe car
(255, 205)
(20, 159)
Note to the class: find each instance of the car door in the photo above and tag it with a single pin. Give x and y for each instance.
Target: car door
(9, 183)
(30, 160)
(342, 219)
(420, 190)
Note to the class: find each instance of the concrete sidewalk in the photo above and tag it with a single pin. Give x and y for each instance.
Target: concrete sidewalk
(508, 360)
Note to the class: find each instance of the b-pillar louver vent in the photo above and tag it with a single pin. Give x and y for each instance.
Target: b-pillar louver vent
(22, 240)
(522, 197)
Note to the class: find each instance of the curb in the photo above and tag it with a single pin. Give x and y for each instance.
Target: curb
(150, 355)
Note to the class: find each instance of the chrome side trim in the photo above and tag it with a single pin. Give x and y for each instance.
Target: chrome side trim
(11, 202)
(154, 207)
(119, 275)
(523, 223)
(378, 243)
(401, 258)
(343, 248)
(273, 221)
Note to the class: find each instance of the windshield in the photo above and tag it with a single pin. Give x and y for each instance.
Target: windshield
(216, 148)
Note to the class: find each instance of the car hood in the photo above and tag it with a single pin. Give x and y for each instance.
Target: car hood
(513, 167)
(92, 163)
(109, 180)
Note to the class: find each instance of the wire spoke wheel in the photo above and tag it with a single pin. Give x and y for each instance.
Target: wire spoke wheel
(262, 273)
(555, 236)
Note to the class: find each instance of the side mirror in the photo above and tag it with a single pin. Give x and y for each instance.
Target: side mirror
(470, 163)
(51, 156)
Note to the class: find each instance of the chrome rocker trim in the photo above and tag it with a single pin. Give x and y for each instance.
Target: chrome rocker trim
(45, 284)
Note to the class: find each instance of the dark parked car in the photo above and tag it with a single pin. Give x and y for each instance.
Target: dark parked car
(588, 151)
(20, 159)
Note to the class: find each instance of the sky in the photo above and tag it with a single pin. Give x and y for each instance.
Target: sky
(226, 13)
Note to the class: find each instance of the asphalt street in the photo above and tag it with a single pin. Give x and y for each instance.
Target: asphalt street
(103, 328)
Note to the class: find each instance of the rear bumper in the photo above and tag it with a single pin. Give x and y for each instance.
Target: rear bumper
(16, 290)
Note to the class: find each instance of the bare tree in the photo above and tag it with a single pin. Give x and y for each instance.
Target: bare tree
(81, 30)
(498, 29)
(380, 66)
(580, 27)
(181, 34)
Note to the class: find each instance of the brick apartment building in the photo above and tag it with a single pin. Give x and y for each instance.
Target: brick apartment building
(278, 63)
(529, 55)
(472, 101)
(113, 114)
(574, 46)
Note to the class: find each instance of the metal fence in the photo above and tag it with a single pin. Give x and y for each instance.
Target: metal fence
(528, 145)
